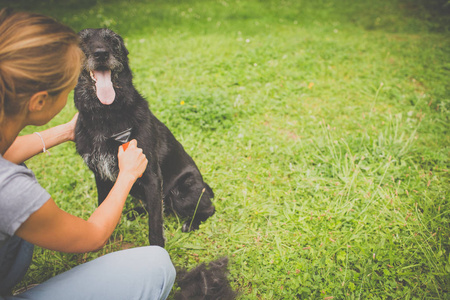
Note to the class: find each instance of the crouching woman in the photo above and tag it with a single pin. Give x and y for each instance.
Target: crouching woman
(39, 65)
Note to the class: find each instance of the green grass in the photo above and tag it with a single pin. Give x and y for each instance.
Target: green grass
(322, 126)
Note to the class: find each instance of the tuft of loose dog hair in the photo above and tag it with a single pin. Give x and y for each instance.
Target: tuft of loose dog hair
(205, 282)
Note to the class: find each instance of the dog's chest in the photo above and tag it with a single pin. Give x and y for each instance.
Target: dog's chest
(100, 160)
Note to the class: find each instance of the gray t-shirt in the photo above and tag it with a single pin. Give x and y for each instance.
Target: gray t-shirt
(20, 196)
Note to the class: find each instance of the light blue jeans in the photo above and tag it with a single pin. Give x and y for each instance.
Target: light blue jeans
(137, 273)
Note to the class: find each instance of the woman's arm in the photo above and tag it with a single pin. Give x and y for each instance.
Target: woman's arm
(53, 228)
(27, 146)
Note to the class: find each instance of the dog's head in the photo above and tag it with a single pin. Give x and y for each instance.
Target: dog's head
(106, 60)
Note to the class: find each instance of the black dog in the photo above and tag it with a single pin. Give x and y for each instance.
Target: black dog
(108, 104)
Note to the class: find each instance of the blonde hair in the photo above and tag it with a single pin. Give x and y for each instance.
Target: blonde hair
(37, 53)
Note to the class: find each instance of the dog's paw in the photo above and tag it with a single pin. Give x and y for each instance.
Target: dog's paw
(187, 226)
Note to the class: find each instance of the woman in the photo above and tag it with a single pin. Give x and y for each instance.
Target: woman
(39, 65)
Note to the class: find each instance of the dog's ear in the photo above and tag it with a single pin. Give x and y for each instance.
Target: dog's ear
(85, 33)
(121, 43)
(186, 181)
(209, 190)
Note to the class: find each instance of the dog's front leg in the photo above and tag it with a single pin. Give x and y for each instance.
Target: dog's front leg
(103, 188)
(154, 200)
(153, 197)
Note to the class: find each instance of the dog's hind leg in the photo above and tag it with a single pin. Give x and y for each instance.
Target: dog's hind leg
(103, 188)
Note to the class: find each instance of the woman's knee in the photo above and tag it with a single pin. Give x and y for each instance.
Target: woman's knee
(140, 262)
(156, 257)
(156, 265)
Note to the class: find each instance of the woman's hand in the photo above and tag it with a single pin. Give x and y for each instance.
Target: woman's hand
(132, 161)
(71, 127)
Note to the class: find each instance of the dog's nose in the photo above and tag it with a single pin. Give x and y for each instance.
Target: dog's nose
(101, 54)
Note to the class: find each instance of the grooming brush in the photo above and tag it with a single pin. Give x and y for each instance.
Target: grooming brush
(124, 138)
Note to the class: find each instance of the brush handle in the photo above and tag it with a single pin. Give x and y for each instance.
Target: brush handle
(125, 146)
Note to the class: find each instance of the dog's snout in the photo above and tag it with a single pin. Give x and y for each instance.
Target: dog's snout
(101, 54)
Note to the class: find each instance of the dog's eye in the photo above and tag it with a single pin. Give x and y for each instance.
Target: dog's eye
(189, 181)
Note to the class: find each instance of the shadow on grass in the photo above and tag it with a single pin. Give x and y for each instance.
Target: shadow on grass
(44, 4)
(436, 12)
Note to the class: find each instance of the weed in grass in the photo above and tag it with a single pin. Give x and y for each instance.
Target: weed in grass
(202, 110)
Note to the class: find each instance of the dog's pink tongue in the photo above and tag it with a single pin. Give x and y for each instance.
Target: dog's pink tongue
(104, 86)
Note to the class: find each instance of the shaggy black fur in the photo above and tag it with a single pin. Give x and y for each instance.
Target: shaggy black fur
(171, 174)
(205, 282)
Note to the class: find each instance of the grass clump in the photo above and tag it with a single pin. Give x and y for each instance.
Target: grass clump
(322, 127)
(202, 110)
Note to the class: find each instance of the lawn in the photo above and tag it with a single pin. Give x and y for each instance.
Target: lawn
(322, 126)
